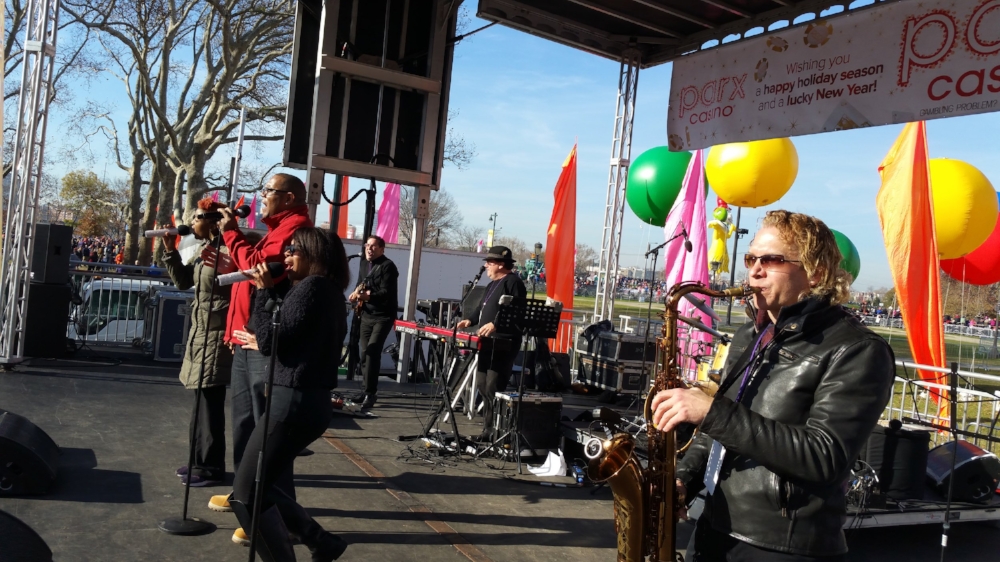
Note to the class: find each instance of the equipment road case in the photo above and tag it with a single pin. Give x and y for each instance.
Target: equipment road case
(618, 346)
(623, 377)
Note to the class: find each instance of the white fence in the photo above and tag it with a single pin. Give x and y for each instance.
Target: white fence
(976, 413)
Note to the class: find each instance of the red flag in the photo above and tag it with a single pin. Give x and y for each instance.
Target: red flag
(560, 250)
(240, 202)
(906, 211)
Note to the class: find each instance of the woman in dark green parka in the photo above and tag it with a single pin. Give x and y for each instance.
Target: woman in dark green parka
(210, 436)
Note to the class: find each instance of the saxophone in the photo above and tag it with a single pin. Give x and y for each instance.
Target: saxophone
(645, 499)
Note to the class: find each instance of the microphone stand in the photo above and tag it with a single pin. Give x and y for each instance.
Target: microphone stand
(194, 526)
(269, 393)
(655, 252)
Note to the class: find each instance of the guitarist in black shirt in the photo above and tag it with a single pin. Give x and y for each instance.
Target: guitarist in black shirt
(499, 347)
(379, 302)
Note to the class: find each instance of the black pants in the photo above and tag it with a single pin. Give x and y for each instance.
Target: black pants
(209, 437)
(249, 375)
(496, 362)
(298, 417)
(374, 331)
(709, 545)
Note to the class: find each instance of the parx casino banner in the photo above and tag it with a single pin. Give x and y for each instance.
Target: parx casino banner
(892, 63)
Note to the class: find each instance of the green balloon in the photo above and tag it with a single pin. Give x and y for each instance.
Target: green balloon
(852, 260)
(654, 180)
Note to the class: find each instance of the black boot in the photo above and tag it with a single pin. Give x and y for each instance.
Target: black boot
(330, 547)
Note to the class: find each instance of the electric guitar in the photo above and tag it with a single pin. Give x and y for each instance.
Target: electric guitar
(359, 306)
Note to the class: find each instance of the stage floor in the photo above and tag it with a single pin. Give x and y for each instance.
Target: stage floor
(121, 422)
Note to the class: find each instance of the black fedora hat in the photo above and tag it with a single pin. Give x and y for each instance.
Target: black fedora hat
(499, 253)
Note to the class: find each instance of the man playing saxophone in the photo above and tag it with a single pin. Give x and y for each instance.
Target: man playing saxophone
(802, 389)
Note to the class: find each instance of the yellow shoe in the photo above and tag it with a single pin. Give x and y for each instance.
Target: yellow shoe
(241, 538)
(219, 503)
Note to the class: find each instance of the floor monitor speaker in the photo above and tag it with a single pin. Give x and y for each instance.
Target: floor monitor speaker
(29, 458)
(976, 475)
(19, 542)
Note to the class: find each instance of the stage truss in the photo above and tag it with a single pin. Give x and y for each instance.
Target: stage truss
(26, 175)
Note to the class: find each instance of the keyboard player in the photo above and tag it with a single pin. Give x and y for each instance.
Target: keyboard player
(498, 348)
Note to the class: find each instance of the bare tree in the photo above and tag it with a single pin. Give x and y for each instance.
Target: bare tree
(71, 62)
(457, 150)
(444, 219)
(518, 247)
(466, 238)
(586, 256)
(235, 56)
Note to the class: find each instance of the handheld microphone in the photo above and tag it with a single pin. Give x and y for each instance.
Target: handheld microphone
(243, 211)
(182, 230)
(276, 269)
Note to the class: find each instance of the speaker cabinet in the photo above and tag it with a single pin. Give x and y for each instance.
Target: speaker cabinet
(371, 78)
(29, 458)
(46, 320)
(976, 475)
(19, 542)
(50, 259)
(899, 458)
(471, 298)
(540, 418)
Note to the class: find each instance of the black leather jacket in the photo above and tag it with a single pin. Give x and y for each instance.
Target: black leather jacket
(816, 392)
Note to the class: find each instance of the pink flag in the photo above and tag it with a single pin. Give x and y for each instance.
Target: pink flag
(688, 213)
(252, 217)
(215, 196)
(388, 214)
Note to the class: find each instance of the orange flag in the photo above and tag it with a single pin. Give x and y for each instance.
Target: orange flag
(560, 250)
(906, 211)
(342, 222)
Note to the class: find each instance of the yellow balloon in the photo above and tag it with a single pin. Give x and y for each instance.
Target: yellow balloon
(752, 174)
(965, 207)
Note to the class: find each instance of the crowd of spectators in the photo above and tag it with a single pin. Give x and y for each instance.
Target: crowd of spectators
(99, 249)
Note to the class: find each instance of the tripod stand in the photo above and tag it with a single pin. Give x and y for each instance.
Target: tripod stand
(530, 318)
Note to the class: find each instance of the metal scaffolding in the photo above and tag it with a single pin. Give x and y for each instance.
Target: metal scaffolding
(26, 175)
(621, 153)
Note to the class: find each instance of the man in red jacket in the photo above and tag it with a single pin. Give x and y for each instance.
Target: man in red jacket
(284, 211)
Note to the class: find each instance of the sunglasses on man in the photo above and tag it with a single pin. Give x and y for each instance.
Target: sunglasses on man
(769, 260)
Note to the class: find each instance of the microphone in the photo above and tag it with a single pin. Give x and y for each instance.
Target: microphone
(276, 269)
(699, 326)
(181, 230)
(243, 211)
(700, 305)
(687, 241)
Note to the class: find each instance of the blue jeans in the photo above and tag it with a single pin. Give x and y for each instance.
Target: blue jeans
(249, 375)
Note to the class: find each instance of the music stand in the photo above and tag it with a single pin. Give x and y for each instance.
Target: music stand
(530, 318)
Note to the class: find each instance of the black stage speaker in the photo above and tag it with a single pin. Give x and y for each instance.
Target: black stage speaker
(899, 458)
(977, 472)
(46, 320)
(29, 458)
(471, 298)
(50, 259)
(19, 542)
(540, 418)
(397, 53)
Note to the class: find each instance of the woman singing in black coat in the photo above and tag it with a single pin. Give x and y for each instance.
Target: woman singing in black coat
(308, 346)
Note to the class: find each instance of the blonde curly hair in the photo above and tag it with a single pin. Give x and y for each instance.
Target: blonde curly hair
(818, 250)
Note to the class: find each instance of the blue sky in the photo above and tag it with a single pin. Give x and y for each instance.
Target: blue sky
(524, 101)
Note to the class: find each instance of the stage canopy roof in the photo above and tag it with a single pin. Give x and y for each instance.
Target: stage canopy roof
(662, 30)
